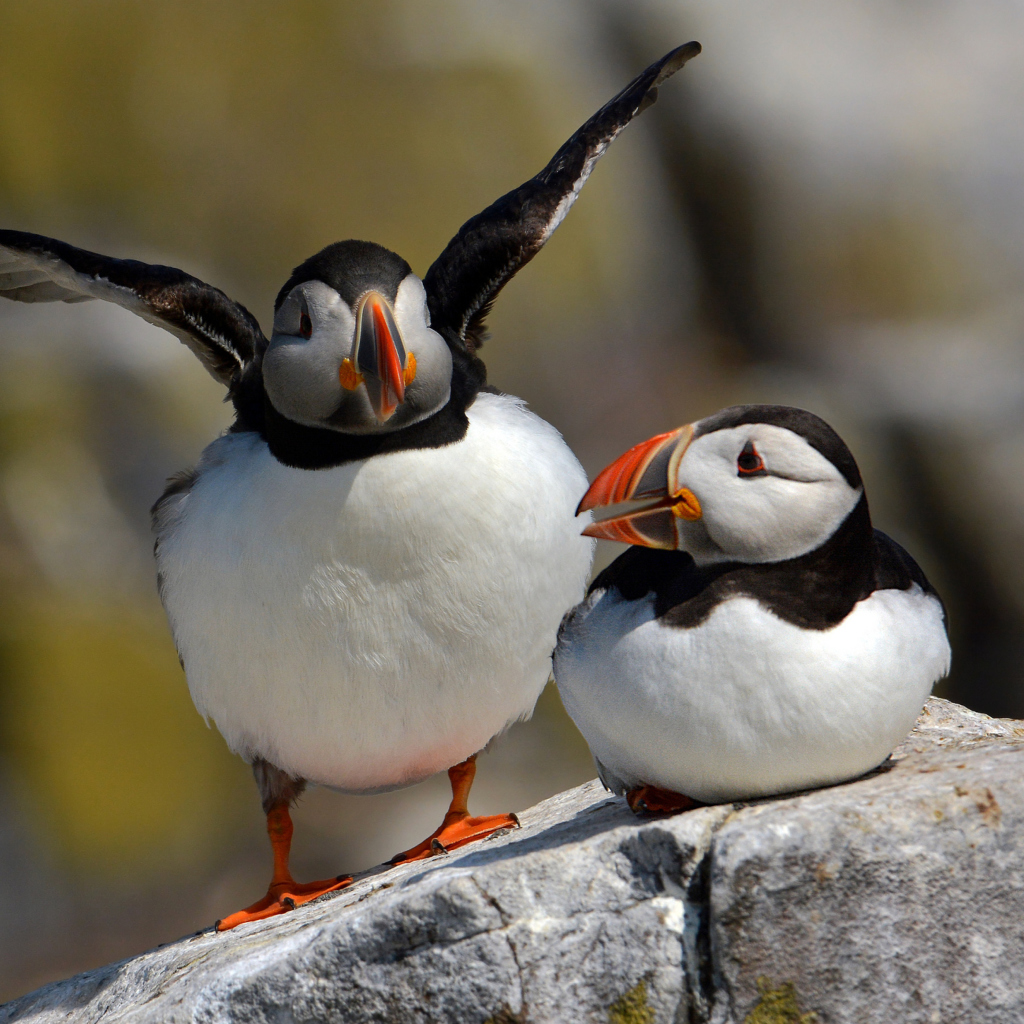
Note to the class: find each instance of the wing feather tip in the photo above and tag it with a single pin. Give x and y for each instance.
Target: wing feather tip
(675, 59)
(592, 138)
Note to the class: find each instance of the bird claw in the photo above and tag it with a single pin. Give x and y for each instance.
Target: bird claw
(281, 898)
(457, 831)
(655, 801)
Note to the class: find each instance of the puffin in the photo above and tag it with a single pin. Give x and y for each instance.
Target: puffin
(364, 576)
(758, 636)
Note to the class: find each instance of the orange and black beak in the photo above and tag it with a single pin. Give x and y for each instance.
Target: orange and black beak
(380, 359)
(647, 470)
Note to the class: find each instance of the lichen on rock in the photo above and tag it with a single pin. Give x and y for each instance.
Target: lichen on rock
(632, 1007)
(778, 1005)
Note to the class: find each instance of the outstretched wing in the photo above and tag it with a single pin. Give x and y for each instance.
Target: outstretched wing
(492, 246)
(223, 334)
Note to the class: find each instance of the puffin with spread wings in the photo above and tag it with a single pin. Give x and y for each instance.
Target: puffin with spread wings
(365, 575)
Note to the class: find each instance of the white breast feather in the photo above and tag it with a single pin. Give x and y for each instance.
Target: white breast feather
(369, 625)
(746, 704)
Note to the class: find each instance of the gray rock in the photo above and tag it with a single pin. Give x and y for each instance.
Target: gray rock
(898, 897)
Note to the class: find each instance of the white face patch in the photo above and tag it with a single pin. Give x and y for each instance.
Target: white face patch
(792, 508)
(301, 374)
(432, 385)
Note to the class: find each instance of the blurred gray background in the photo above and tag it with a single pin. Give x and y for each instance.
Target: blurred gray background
(825, 209)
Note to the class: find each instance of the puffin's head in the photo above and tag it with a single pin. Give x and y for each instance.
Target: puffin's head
(753, 483)
(352, 349)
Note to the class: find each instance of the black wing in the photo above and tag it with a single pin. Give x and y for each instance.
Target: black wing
(896, 569)
(492, 246)
(223, 334)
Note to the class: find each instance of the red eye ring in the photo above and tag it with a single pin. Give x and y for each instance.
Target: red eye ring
(305, 325)
(749, 462)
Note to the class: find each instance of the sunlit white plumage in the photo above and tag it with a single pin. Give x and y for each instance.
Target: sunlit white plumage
(746, 704)
(381, 620)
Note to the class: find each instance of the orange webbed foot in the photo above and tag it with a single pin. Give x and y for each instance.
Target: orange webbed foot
(283, 893)
(282, 897)
(652, 800)
(457, 829)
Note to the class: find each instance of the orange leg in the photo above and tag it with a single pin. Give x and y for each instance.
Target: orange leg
(283, 893)
(458, 828)
(651, 800)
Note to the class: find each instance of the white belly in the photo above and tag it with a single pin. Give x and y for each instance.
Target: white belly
(369, 625)
(745, 704)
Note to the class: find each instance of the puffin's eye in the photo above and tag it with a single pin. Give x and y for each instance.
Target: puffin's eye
(749, 463)
(305, 325)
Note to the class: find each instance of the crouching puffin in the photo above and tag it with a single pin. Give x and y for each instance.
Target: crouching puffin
(364, 576)
(759, 637)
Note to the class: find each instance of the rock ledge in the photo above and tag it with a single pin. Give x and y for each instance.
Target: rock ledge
(898, 897)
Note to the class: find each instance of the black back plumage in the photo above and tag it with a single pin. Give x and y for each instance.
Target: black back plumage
(815, 591)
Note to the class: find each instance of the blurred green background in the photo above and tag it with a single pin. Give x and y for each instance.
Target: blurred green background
(824, 209)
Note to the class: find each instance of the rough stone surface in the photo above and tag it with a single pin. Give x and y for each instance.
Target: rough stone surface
(898, 897)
